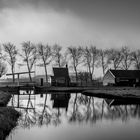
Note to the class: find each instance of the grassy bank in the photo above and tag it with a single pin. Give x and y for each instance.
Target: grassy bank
(44, 89)
(122, 92)
(4, 98)
(8, 115)
(8, 120)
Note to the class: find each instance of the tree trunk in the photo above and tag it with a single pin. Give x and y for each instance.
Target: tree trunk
(46, 73)
(115, 67)
(76, 74)
(13, 74)
(59, 63)
(90, 73)
(29, 72)
(103, 71)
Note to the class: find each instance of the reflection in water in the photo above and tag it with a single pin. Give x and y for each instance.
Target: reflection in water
(60, 100)
(38, 111)
(69, 109)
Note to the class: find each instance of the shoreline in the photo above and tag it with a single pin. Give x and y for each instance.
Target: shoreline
(8, 115)
(97, 89)
(125, 93)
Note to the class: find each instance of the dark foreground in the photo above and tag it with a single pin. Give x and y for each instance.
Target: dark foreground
(8, 116)
(61, 96)
(74, 116)
(8, 119)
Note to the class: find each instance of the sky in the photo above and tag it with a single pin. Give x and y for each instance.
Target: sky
(103, 23)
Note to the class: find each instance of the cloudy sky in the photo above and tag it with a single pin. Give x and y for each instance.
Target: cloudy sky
(104, 23)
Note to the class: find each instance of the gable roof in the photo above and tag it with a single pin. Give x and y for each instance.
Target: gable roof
(60, 72)
(126, 73)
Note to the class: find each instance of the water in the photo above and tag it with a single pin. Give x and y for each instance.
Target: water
(73, 117)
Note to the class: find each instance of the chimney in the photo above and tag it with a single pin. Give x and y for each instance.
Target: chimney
(66, 66)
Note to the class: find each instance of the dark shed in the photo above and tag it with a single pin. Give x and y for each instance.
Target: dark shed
(61, 77)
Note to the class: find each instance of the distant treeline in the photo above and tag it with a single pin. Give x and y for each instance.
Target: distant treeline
(76, 57)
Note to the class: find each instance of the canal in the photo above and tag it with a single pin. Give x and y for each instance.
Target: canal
(64, 116)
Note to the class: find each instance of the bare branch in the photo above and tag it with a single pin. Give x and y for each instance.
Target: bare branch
(45, 55)
(75, 54)
(29, 55)
(11, 53)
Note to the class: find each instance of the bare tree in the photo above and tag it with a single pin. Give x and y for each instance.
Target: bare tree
(114, 57)
(103, 60)
(11, 53)
(88, 60)
(90, 57)
(2, 56)
(126, 58)
(75, 54)
(29, 55)
(3, 68)
(45, 55)
(57, 55)
(136, 59)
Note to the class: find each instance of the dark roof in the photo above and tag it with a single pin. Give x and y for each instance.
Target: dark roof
(60, 72)
(126, 73)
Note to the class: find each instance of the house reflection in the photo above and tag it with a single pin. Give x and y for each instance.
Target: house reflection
(60, 100)
(123, 109)
(91, 109)
(54, 108)
(123, 101)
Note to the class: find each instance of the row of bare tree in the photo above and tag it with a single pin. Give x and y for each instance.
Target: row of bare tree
(88, 57)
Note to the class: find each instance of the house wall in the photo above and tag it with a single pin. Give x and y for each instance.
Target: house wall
(60, 81)
(108, 79)
(38, 79)
(127, 82)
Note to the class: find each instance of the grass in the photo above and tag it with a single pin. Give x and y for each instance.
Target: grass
(4, 98)
(114, 92)
(8, 115)
(8, 120)
(44, 89)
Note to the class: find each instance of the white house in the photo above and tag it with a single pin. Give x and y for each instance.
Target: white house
(108, 78)
(122, 77)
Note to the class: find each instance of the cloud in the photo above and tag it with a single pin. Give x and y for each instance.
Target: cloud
(70, 22)
(113, 11)
(51, 27)
(79, 6)
(104, 23)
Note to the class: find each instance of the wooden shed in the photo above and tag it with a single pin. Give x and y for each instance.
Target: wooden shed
(122, 78)
(61, 77)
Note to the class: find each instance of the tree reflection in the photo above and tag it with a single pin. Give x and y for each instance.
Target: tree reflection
(91, 109)
(56, 107)
(28, 118)
(45, 116)
(75, 110)
(60, 101)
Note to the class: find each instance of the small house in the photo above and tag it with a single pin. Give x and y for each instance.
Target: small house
(61, 77)
(122, 78)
